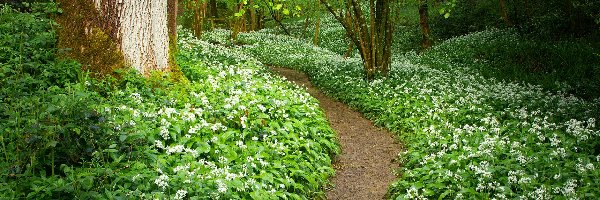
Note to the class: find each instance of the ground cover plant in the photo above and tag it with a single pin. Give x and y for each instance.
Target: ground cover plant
(467, 136)
(568, 65)
(228, 130)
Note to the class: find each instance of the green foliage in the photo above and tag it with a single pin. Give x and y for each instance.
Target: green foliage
(232, 132)
(467, 136)
(549, 19)
(566, 66)
(46, 104)
(332, 35)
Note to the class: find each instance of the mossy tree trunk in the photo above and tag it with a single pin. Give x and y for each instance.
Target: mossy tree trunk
(133, 32)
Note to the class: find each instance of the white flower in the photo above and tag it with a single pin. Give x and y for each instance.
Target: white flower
(162, 181)
(243, 121)
(164, 132)
(221, 187)
(261, 108)
(159, 144)
(180, 194)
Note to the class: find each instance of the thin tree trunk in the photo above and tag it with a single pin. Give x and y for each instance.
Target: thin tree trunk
(423, 18)
(349, 50)
(305, 26)
(317, 27)
(384, 30)
(199, 15)
(238, 22)
(213, 9)
(374, 42)
(172, 10)
(527, 9)
(253, 22)
(278, 20)
(374, 34)
(504, 12)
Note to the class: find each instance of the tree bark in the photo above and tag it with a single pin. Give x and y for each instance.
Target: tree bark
(317, 26)
(238, 22)
(213, 8)
(504, 12)
(199, 9)
(172, 10)
(253, 19)
(373, 39)
(424, 22)
(141, 29)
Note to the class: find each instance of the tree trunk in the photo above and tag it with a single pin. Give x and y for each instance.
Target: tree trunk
(504, 12)
(373, 39)
(317, 26)
(253, 19)
(199, 9)
(144, 34)
(141, 30)
(213, 9)
(238, 22)
(349, 50)
(528, 13)
(423, 18)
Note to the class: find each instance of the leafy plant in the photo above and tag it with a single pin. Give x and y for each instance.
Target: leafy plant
(467, 135)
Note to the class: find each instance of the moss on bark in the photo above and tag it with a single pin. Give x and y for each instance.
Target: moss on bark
(80, 34)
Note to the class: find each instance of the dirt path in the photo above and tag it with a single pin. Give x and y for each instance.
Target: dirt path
(365, 167)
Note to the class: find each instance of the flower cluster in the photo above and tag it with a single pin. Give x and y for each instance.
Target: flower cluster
(233, 131)
(466, 135)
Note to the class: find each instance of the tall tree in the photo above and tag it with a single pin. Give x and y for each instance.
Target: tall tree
(317, 26)
(504, 13)
(214, 12)
(373, 37)
(424, 22)
(138, 32)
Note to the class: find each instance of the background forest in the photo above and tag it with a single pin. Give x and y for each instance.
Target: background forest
(490, 99)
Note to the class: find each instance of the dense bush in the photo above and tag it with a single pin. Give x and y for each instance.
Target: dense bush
(467, 136)
(46, 104)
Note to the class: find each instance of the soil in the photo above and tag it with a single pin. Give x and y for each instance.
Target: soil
(364, 169)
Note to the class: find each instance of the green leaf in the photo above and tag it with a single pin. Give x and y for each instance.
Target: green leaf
(446, 193)
(51, 143)
(278, 6)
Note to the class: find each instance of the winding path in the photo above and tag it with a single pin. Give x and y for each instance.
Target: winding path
(365, 167)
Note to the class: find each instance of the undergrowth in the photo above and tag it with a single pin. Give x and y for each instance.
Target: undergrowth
(231, 131)
(467, 135)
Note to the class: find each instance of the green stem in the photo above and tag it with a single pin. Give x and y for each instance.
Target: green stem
(53, 162)
(4, 148)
